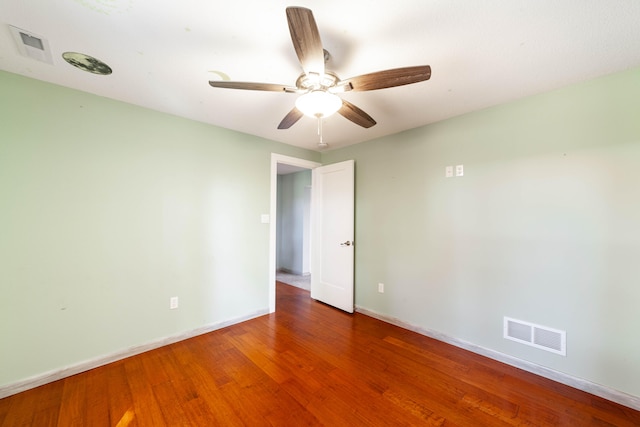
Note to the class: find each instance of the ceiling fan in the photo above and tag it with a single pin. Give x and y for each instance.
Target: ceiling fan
(318, 87)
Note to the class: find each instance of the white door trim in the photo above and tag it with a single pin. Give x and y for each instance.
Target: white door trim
(273, 205)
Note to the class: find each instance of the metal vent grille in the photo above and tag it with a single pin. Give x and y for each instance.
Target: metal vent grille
(542, 337)
(548, 339)
(519, 331)
(31, 45)
(31, 41)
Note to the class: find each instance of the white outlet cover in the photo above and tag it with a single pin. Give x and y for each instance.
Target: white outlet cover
(173, 302)
(459, 170)
(264, 218)
(448, 171)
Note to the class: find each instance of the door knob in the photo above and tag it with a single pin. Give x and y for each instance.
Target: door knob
(347, 243)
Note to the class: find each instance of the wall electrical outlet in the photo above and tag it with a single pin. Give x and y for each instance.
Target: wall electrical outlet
(448, 171)
(381, 288)
(460, 170)
(173, 303)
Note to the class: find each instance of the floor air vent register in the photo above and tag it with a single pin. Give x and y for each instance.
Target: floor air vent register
(541, 337)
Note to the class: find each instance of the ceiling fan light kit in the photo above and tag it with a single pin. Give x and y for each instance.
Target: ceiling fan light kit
(319, 87)
(318, 103)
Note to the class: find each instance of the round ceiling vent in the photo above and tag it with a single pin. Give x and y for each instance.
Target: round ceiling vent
(87, 63)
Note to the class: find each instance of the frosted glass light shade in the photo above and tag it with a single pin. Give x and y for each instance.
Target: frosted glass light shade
(318, 103)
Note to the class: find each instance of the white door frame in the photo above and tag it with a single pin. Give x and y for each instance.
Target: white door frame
(273, 209)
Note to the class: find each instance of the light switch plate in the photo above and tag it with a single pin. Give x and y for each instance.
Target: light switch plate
(459, 170)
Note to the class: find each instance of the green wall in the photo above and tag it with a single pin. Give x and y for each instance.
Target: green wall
(543, 227)
(106, 211)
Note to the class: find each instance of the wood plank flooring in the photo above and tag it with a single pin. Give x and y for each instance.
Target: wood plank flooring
(309, 365)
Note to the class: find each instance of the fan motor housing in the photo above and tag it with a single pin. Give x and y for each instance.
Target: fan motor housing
(315, 81)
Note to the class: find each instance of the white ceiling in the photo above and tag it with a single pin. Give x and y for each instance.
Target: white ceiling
(482, 53)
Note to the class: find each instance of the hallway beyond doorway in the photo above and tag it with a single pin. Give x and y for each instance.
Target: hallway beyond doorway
(302, 282)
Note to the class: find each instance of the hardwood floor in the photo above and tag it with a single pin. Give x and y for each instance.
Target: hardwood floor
(309, 364)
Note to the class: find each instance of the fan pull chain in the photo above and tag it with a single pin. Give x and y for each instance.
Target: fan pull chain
(321, 143)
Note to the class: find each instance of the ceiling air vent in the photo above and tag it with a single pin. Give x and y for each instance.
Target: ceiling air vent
(31, 45)
(542, 337)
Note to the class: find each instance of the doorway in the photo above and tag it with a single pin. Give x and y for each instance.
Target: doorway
(290, 211)
(293, 231)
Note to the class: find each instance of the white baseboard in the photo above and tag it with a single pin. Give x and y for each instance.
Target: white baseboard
(579, 383)
(58, 374)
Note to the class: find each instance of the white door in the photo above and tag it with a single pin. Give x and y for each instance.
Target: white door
(332, 243)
